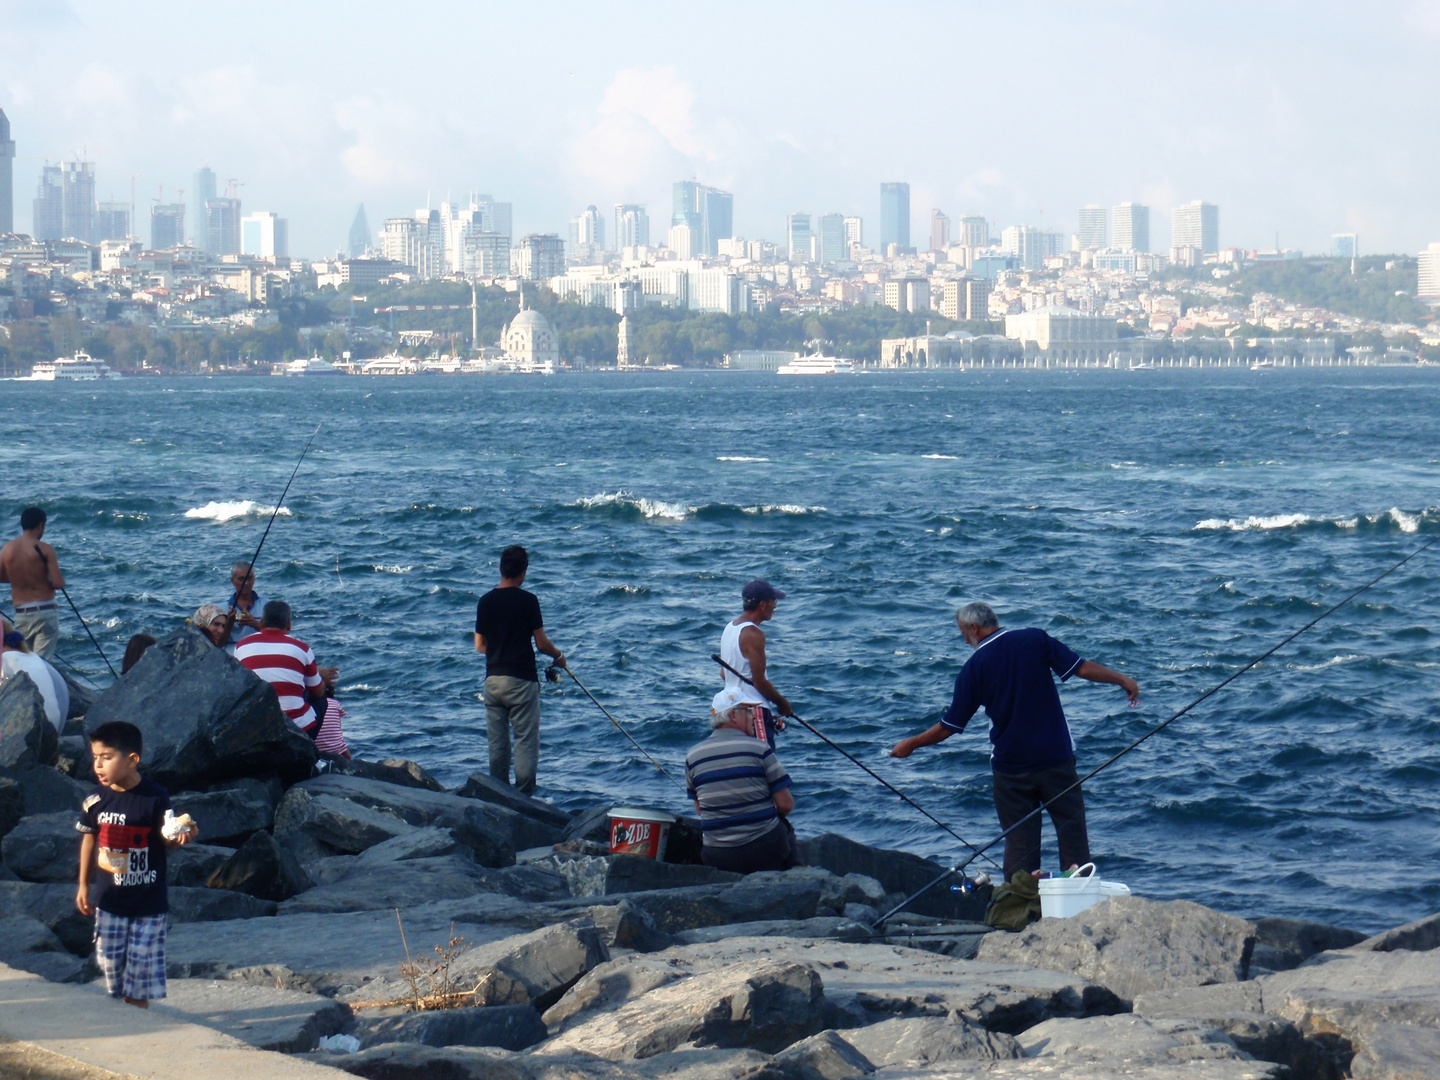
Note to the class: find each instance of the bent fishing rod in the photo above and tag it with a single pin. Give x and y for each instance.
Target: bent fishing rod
(550, 674)
(960, 867)
(39, 551)
(856, 761)
(230, 615)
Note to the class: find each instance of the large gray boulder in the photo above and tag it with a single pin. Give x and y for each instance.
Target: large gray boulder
(487, 788)
(12, 804)
(402, 884)
(1398, 1052)
(192, 864)
(268, 1018)
(28, 944)
(1282, 944)
(1132, 945)
(923, 1040)
(1238, 1010)
(204, 905)
(27, 739)
(608, 875)
(1350, 993)
(898, 872)
(339, 823)
(538, 969)
(204, 717)
(53, 905)
(511, 1027)
(48, 791)
(400, 771)
(1132, 1040)
(263, 869)
(227, 816)
(43, 848)
(1421, 935)
(825, 1056)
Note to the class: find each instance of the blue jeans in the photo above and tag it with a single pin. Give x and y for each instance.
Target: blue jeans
(513, 704)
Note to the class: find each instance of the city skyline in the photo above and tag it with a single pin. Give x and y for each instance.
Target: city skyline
(620, 121)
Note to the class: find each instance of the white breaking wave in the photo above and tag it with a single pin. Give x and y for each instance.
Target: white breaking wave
(940, 457)
(782, 508)
(392, 568)
(1406, 522)
(737, 458)
(229, 511)
(650, 508)
(1334, 661)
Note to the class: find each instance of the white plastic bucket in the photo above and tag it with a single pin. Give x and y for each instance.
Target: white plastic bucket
(634, 831)
(1061, 898)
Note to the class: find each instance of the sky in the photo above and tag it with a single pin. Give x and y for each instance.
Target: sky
(1299, 120)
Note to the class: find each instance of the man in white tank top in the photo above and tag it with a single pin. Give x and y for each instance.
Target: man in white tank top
(742, 646)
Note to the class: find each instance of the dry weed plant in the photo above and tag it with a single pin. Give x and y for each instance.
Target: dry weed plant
(431, 980)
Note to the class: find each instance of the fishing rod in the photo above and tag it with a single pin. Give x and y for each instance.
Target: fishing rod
(960, 867)
(63, 662)
(550, 674)
(39, 551)
(230, 615)
(872, 772)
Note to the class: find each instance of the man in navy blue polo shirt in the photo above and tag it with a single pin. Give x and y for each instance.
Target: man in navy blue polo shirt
(1033, 753)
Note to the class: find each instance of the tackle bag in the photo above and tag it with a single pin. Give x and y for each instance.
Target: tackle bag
(1016, 904)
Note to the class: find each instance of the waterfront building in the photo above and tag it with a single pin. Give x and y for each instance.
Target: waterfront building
(1132, 227)
(622, 343)
(1093, 229)
(894, 216)
(222, 226)
(264, 235)
(908, 294)
(1428, 287)
(203, 191)
(759, 359)
(797, 237)
(1062, 335)
(7, 177)
(966, 299)
(359, 238)
(1197, 225)
(530, 340)
(833, 246)
(538, 256)
(974, 231)
(1344, 246)
(632, 226)
(939, 230)
(167, 226)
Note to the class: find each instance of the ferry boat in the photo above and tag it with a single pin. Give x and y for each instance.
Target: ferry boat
(394, 364)
(82, 367)
(314, 365)
(817, 365)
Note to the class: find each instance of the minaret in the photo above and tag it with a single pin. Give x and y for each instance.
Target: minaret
(7, 177)
(622, 353)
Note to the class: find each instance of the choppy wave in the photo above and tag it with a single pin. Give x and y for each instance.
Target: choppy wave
(939, 457)
(390, 568)
(1400, 519)
(638, 506)
(229, 511)
(740, 458)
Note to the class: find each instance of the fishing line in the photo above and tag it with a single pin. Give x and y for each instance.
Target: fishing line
(274, 513)
(73, 608)
(960, 867)
(872, 772)
(618, 727)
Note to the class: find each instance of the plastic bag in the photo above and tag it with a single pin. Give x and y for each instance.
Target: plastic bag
(340, 1044)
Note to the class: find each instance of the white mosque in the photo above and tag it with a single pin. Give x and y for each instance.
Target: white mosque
(530, 342)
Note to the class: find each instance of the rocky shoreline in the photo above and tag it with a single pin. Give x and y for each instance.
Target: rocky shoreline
(287, 928)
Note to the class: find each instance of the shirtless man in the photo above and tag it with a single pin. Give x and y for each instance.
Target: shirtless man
(742, 646)
(33, 570)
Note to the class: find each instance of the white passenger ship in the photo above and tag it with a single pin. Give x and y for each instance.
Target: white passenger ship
(314, 365)
(82, 367)
(817, 365)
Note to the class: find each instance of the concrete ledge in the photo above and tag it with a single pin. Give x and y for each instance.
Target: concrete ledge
(84, 1024)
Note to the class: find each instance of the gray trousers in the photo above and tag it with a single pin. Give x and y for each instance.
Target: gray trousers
(513, 704)
(41, 630)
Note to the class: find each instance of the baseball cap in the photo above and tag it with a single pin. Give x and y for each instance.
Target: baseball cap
(760, 589)
(726, 700)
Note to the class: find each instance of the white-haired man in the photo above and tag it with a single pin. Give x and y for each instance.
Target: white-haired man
(741, 792)
(1033, 753)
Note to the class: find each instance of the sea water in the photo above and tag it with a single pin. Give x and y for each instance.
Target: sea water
(1169, 524)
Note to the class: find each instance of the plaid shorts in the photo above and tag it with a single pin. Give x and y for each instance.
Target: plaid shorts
(131, 954)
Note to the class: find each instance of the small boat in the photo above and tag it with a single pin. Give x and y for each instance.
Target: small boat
(1261, 365)
(393, 364)
(817, 365)
(82, 367)
(315, 365)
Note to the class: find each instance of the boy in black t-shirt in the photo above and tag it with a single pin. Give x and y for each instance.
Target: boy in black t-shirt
(124, 822)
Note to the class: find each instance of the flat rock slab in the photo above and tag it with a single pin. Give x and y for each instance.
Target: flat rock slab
(30, 945)
(53, 905)
(922, 1040)
(1129, 1038)
(1398, 1052)
(204, 905)
(1348, 993)
(489, 789)
(414, 1061)
(608, 875)
(1421, 935)
(1132, 945)
(510, 1027)
(404, 884)
(226, 816)
(1081, 1067)
(271, 1019)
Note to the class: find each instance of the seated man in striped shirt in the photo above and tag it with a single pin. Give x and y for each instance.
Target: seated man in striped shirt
(287, 664)
(741, 792)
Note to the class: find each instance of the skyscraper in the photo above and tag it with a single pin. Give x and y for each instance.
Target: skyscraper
(939, 230)
(7, 177)
(359, 239)
(1092, 231)
(167, 225)
(1428, 278)
(48, 217)
(833, 245)
(78, 179)
(1197, 225)
(632, 226)
(540, 256)
(1132, 227)
(709, 212)
(222, 226)
(587, 235)
(1344, 245)
(854, 233)
(494, 216)
(203, 192)
(264, 235)
(894, 216)
(797, 235)
(974, 231)
(112, 221)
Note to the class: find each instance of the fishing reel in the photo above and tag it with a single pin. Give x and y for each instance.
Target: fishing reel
(552, 673)
(965, 886)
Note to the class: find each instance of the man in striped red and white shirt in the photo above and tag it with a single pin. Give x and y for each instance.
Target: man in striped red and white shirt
(287, 664)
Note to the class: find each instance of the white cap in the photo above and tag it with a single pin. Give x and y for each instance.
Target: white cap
(726, 700)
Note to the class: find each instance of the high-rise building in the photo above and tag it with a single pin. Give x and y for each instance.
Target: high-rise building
(1031, 246)
(708, 211)
(1197, 225)
(833, 245)
(359, 238)
(494, 217)
(78, 179)
(167, 225)
(1093, 233)
(797, 237)
(48, 216)
(966, 299)
(939, 230)
(7, 177)
(587, 235)
(539, 257)
(854, 233)
(264, 235)
(683, 240)
(908, 294)
(1428, 286)
(203, 191)
(1132, 227)
(1344, 245)
(632, 226)
(894, 216)
(222, 226)
(484, 254)
(112, 221)
(974, 231)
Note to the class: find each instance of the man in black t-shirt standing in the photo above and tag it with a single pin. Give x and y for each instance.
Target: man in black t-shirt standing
(506, 620)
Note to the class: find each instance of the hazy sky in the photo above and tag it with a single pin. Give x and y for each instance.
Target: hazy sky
(1298, 118)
